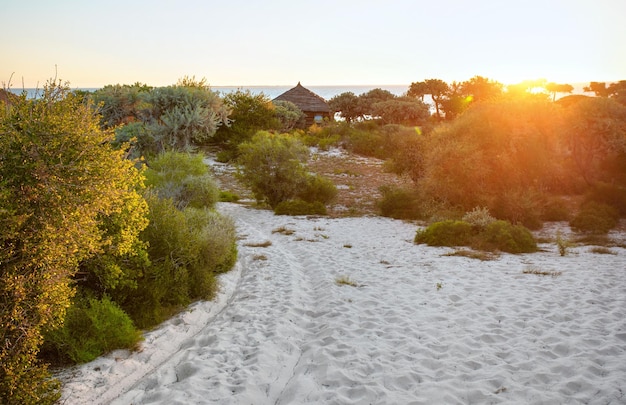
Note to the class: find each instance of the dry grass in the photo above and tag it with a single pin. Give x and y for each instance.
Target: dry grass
(539, 272)
(264, 244)
(283, 231)
(473, 254)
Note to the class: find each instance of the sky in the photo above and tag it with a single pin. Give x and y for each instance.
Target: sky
(323, 42)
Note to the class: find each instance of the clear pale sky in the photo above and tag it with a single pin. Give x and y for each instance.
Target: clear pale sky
(322, 42)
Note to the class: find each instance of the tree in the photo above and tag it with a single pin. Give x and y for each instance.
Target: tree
(558, 88)
(367, 101)
(249, 113)
(481, 89)
(596, 134)
(288, 114)
(346, 104)
(119, 104)
(408, 111)
(183, 116)
(437, 88)
(599, 88)
(618, 91)
(273, 166)
(59, 177)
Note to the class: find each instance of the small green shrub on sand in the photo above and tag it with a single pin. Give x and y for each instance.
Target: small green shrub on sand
(318, 188)
(227, 196)
(446, 233)
(595, 218)
(92, 327)
(398, 203)
(300, 207)
(498, 235)
(504, 236)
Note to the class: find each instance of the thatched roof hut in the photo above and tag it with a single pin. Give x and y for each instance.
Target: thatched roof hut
(313, 106)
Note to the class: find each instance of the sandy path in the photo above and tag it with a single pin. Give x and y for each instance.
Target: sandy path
(419, 327)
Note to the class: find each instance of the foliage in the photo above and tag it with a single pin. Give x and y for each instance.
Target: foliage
(504, 236)
(445, 233)
(401, 111)
(596, 138)
(498, 235)
(120, 104)
(184, 178)
(399, 203)
(92, 327)
(479, 217)
(613, 195)
(499, 155)
(595, 217)
(288, 114)
(437, 89)
(185, 115)
(187, 248)
(250, 113)
(300, 207)
(347, 105)
(318, 189)
(562, 243)
(59, 177)
(273, 166)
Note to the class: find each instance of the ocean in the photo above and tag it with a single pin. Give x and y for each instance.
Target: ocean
(326, 92)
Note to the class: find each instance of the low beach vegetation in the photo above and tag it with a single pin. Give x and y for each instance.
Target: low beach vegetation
(274, 167)
(498, 235)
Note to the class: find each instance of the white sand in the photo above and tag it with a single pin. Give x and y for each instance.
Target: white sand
(419, 327)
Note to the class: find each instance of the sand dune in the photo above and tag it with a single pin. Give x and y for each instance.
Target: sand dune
(415, 326)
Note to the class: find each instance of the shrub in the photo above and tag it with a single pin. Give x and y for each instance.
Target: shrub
(398, 203)
(187, 248)
(446, 233)
(498, 235)
(184, 178)
(92, 327)
(300, 207)
(273, 167)
(479, 217)
(595, 218)
(227, 196)
(608, 194)
(318, 188)
(504, 236)
(556, 209)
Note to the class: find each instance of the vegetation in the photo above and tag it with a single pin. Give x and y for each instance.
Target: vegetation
(88, 254)
(274, 168)
(66, 196)
(498, 235)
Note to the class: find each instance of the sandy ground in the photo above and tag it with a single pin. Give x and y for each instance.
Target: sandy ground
(412, 326)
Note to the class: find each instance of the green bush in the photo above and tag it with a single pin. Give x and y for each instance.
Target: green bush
(504, 236)
(273, 166)
(227, 196)
(608, 194)
(497, 235)
(318, 188)
(300, 207)
(595, 218)
(399, 203)
(556, 209)
(184, 178)
(92, 327)
(187, 248)
(446, 233)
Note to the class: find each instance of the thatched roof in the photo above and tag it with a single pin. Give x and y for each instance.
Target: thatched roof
(305, 99)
